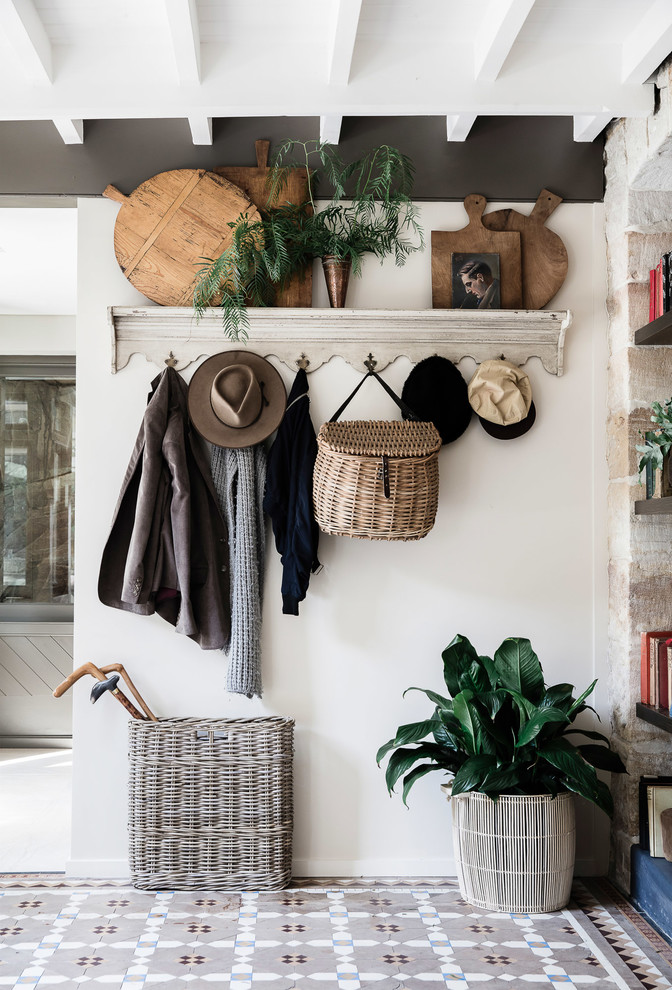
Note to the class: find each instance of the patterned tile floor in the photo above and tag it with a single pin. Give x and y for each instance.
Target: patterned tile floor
(331, 934)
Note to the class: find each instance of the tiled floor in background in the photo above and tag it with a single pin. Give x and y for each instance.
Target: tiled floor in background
(35, 797)
(385, 936)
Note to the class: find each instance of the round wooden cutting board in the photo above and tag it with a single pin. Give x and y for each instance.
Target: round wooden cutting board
(169, 225)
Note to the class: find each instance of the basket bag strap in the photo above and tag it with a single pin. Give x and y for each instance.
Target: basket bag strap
(407, 412)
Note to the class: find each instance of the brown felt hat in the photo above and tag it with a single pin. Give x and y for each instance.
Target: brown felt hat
(236, 399)
(501, 396)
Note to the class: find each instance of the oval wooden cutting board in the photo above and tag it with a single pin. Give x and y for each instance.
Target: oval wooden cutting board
(475, 239)
(169, 224)
(543, 255)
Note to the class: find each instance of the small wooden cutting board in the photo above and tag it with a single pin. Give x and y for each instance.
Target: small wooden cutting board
(475, 239)
(543, 254)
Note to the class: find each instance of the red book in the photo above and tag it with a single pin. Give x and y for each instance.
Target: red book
(652, 294)
(660, 299)
(649, 665)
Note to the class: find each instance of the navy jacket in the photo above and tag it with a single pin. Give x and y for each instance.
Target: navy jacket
(289, 496)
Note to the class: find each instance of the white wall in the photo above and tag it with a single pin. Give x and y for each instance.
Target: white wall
(518, 549)
(48, 335)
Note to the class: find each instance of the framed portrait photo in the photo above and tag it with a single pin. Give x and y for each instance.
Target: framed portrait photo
(476, 281)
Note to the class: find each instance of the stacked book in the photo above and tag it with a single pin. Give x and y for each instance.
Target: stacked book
(656, 669)
(660, 289)
(655, 796)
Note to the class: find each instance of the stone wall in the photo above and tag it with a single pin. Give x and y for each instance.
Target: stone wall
(638, 209)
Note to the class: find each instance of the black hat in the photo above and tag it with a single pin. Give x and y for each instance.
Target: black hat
(437, 393)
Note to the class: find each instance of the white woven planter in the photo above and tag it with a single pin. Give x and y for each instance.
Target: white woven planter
(516, 853)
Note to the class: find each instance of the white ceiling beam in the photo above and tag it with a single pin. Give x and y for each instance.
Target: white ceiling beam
(330, 129)
(498, 29)
(648, 43)
(458, 126)
(21, 23)
(201, 129)
(186, 38)
(588, 126)
(90, 89)
(342, 40)
(72, 131)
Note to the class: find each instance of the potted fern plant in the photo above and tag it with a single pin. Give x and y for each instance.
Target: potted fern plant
(506, 740)
(370, 211)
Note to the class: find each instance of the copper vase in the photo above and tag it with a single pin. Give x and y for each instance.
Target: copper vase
(336, 274)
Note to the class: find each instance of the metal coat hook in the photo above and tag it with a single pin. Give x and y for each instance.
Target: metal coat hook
(171, 361)
(303, 362)
(370, 362)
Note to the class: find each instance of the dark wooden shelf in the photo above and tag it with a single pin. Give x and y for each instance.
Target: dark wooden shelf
(653, 506)
(658, 331)
(656, 716)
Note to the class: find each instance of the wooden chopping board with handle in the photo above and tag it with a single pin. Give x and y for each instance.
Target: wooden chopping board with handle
(169, 224)
(449, 247)
(252, 180)
(543, 254)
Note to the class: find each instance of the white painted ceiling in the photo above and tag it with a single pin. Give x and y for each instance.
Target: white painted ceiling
(73, 60)
(69, 61)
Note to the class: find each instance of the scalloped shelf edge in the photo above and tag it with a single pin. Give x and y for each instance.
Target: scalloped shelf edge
(320, 334)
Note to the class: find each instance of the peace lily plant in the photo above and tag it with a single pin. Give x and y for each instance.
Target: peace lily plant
(502, 731)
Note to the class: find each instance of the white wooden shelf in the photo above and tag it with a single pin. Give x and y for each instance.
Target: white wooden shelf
(320, 334)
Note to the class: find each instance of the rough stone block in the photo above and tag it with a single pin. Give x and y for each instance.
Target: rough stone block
(650, 375)
(649, 209)
(628, 309)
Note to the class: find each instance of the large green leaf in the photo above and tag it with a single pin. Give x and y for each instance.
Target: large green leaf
(502, 779)
(577, 775)
(464, 713)
(526, 709)
(557, 696)
(444, 737)
(414, 775)
(602, 758)
(519, 668)
(457, 657)
(578, 704)
(474, 678)
(588, 733)
(532, 727)
(403, 759)
(438, 699)
(491, 671)
(406, 734)
(472, 773)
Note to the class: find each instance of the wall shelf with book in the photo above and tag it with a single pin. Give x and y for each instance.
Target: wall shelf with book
(653, 506)
(655, 716)
(658, 331)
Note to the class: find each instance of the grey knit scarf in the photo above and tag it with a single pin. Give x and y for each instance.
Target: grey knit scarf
(239, 477)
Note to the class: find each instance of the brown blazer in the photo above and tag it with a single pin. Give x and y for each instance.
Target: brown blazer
(167, 551)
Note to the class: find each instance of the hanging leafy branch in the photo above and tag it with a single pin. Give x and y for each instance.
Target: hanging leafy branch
(370, 212)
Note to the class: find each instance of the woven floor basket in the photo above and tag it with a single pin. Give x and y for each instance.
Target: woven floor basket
(210, 803)
(515, 854)
(348, 483)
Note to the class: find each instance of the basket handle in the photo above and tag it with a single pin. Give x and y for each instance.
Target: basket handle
(406, 411)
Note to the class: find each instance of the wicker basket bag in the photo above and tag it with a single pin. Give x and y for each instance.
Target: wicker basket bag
(377, 480)
(210, 803)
